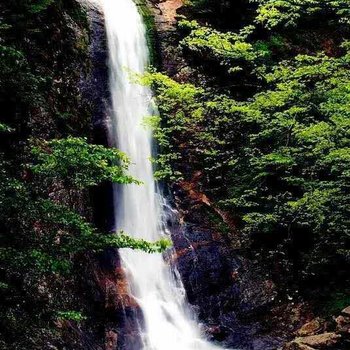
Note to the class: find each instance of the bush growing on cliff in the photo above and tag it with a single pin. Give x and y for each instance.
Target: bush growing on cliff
(41, 239)
(41, 61)
(41, 230)
(289, 13)
(269, 132)
(230, 49)
(282, 155)
(78, 163)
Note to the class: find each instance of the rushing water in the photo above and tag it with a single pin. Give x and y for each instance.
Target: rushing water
(169, 324)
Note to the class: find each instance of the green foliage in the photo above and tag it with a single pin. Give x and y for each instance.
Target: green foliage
(272, 141)
(4, 128)
(79, 163)
(230, 49)
(38, 38)
(40, 238)
(336, 303)
(38, 5)
(58, 231)
(289, 12)
(70, 315)
(179, 101)
(42, 57)
(16, 77)
(278, 30)
(283, 154)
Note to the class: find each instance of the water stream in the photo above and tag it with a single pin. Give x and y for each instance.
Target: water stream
(168, 322)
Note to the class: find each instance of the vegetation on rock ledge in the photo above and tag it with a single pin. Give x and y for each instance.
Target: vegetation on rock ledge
(268, 130)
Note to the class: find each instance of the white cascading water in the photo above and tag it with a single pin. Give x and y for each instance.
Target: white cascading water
(169, 324)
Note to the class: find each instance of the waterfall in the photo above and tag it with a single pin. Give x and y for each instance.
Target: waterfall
(168, 322)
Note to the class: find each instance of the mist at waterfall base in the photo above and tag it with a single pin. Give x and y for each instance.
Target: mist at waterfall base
(168, 322)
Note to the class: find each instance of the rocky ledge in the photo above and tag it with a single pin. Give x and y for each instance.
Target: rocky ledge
(320, 334)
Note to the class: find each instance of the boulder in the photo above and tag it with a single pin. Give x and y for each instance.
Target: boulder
(320, 341)
(346, 311)
(314, 342)
(296, 346)
(343, 325)
(311, 328)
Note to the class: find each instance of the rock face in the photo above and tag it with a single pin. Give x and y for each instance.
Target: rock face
(165, 17)
(223, 287)
(111, 340)
(343, 324)
(216, 285)
(120, 314)
(95, 92)
(95, 85)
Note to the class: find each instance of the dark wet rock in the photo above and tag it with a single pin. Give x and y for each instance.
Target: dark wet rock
(222, 288)
(343, 325)
(111, 340)
(266, 343)
(95, 92)
(95, 85)
(120, 312)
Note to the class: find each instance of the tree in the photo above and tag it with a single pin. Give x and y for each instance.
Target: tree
(282, 155)
(41, 239)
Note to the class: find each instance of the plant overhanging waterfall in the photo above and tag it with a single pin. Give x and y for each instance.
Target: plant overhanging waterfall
(168, 323)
